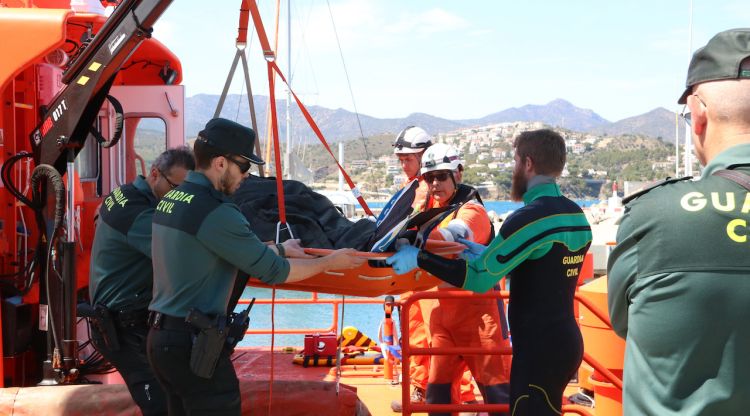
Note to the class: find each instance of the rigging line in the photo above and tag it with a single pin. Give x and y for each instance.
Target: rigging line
(239, 99)
(305, 50)
(348, 82)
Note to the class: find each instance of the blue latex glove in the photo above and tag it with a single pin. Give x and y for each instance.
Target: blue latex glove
(405, 260)
(473, 250)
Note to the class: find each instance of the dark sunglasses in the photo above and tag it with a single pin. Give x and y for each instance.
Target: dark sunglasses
(440, 176)
(171, 184)
(243, 165)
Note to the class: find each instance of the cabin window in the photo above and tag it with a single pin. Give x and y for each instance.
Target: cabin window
(87, 161)
(150, 140)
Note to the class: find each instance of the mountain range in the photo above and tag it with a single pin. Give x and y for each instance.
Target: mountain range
(340, 124)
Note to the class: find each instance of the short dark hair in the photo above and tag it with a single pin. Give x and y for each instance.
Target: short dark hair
(204, 154)
(545, 147)
(178, 156)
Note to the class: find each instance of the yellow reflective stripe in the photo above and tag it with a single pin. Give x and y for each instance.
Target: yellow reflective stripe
(515, 405)
(546, 397)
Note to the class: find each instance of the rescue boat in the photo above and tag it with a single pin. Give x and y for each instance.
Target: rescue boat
(78, 85)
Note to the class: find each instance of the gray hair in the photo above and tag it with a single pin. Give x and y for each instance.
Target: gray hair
(178, 156)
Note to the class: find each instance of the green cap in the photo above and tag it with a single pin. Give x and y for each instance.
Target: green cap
(229, 137)
(719, 59)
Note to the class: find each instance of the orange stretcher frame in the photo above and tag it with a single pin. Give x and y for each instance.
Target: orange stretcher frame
(369, 281)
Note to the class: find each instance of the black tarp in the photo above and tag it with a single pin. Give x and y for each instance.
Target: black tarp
(312, 217)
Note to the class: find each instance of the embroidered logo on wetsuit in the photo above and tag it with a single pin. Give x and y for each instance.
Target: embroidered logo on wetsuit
(573, 260)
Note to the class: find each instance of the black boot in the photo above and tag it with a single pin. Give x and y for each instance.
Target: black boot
(439, 394)
(496, 394)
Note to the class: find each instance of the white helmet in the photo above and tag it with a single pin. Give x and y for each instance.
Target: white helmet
(412, 140)
(441, 156)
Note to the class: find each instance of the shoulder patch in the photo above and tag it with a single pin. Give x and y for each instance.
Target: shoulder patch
(123, 205)
(654, 185)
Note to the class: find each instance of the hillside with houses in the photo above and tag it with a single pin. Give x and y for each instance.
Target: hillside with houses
(595, 161)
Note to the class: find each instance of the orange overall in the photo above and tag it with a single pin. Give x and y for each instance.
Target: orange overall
(476, 323)
(419, 327)
(419, 335)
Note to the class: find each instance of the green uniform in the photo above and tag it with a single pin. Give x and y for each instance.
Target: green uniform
(200, 240)
(121, 273)
(679, 292)
(120, 279)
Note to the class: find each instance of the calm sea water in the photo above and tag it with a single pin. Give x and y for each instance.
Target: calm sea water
(366, 318)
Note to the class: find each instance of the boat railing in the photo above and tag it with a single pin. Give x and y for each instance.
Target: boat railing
(407, 350)
(314, 299)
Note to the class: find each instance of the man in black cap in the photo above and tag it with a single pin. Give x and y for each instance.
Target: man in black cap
(200, 241)
(679, 277)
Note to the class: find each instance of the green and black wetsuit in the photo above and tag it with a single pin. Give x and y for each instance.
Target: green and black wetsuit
(541, 246)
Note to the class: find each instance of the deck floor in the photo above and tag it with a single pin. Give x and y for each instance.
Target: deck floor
(372, 390)
(295, 391)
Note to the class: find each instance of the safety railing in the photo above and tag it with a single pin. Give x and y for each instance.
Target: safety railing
(314, 299)
(407, 350)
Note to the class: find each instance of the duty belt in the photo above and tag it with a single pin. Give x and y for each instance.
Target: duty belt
(131, 318)
(158, 320)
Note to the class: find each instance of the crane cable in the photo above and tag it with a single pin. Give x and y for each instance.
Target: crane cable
(348, 82)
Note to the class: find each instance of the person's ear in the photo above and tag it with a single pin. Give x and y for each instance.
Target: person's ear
(699, 117)
(528, 165)
(219, 163)
(153, 173)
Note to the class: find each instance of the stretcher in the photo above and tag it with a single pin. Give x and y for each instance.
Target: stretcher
(372, 278)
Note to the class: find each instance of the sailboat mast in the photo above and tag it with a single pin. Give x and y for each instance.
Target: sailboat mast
(287, 158)
(688, 133)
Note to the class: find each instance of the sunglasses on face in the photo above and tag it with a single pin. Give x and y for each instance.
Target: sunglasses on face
(243, 165)
(440, 176)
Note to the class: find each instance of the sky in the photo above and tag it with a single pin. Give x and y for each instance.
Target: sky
(458, 59)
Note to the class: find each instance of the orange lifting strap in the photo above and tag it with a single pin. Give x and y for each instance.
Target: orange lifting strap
(242, 28)
(366, 280)
(273, 68)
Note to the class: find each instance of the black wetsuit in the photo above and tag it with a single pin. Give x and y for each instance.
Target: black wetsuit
(542, 247)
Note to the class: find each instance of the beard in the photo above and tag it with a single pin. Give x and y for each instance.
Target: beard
(518, 186)
(225, 184)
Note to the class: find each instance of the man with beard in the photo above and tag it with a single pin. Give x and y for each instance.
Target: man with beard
(200, 240)
(541, 248)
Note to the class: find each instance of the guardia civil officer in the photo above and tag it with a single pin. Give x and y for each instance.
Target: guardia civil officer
(121, 275)
(679, 277)
(200, 240)
(541, 246)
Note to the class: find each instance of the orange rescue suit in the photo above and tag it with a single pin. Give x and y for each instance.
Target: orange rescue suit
(476, 323)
